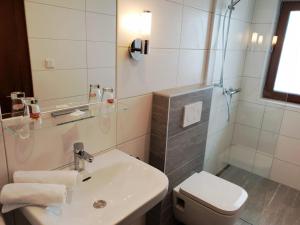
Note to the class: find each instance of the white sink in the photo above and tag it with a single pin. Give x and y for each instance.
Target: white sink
(128, 186)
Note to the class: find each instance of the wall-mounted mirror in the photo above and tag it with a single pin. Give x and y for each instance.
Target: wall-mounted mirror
(54, 50)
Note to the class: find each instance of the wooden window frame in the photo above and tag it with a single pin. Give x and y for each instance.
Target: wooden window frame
(269, 92)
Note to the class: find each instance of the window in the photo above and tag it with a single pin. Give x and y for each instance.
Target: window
(283, 78)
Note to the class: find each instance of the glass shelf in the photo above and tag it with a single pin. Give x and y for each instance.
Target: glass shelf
(22, 126)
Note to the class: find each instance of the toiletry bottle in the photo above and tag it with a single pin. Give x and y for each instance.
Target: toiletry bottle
(108, 95)
(32, 108)
(35, 110)
(17, 106)
(95, 94)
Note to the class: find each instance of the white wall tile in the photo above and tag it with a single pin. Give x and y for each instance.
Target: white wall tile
(56, 83)
(291, 124)
(137, 148)
(265, 29)
(73, 4)
(245, 136)
(265, 11)
(166, 22)
(286, 173)
(218, 162)
(101, 54)
(272, 119)
(255, 64)
(194, 29)
(251, 89)
(216, 36)
(267, 142)
(156, 71)
(292, 106)
(99, 134)
(288, 150)
(43, 21)
(234, 64)
(191, 66)
(242, 157)
(210, 165)
(212, 67)
(219, 119)
(206, 5)
(250, 114)
(244, 10)
(218, 142)
(134, 118)
(262, 165)
(101, 6)
(74, 53)
(218, 99)
(101, 27)
(233, 57)
(103, 76)
(238, 35)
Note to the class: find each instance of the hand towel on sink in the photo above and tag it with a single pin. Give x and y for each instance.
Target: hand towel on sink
(14, 196)
(68, 178)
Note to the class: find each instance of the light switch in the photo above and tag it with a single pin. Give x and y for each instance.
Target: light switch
(192, 114)
(49, 63)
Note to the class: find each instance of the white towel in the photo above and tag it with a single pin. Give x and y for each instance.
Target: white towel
(68, 178)
(14, 196)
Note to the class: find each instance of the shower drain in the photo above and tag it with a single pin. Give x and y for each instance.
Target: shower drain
(99, 204)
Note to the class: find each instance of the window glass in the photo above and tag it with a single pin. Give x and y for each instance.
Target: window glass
(288, 74)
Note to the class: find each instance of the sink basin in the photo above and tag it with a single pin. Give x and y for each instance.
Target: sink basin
(121, 189)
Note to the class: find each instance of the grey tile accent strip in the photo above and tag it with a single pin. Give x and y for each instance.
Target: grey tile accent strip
(177, 151)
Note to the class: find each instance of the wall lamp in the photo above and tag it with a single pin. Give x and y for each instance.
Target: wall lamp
(140, 46)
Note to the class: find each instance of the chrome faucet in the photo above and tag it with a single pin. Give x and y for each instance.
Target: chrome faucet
(80, 154)
(232, 91)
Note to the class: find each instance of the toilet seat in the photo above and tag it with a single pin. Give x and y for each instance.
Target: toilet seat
(214, 192)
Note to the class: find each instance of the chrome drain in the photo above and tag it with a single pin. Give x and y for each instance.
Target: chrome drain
(99, 204)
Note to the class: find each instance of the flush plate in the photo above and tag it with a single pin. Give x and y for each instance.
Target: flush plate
(192, 114)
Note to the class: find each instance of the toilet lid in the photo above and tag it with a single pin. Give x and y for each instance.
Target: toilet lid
(214, 192)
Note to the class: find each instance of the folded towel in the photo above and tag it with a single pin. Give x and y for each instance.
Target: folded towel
(68, 178)
(19, 195)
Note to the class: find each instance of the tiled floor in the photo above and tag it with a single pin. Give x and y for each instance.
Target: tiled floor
(269, 203)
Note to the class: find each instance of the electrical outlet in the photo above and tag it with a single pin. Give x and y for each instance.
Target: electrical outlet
(49, 63)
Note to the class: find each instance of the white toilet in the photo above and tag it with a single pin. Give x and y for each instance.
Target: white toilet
(205, 199)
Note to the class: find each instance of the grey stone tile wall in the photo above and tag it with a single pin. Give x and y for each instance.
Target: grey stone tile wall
(177, 151)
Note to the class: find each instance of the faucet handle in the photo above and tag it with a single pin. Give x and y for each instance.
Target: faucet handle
(78, 147)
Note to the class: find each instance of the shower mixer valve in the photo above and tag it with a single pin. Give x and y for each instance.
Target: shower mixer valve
(232, 91)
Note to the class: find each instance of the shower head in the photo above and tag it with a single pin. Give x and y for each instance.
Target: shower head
(233, 4)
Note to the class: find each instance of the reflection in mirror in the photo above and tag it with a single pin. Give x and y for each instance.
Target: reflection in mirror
(70, 46)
